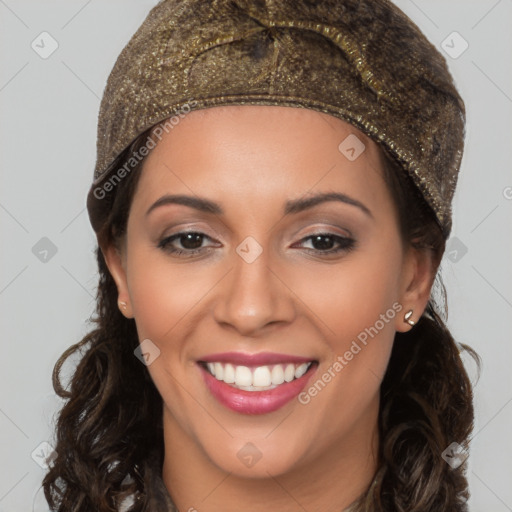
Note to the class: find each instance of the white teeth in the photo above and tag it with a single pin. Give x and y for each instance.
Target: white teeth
(289, 373)
(219, 371)
(301, 370)
(243, 376)
(277, 375)
(259, 378)
(229, 374)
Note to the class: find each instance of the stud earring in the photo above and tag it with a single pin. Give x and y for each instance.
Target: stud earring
(407, 318)
(122, 305)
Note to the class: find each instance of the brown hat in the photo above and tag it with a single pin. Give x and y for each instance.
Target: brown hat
(363, 61)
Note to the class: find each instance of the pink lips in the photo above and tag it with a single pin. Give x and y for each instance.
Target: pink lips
(254, 402)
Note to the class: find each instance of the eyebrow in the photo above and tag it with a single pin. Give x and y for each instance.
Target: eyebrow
(299, 205)
(291, 206)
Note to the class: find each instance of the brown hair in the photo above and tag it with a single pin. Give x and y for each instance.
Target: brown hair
(112, 418)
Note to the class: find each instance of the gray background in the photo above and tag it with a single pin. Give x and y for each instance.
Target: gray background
(48, 114)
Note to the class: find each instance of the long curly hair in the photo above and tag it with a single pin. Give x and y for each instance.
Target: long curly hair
(112, 418)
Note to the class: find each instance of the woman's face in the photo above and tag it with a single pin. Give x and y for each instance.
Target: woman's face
(293, 263)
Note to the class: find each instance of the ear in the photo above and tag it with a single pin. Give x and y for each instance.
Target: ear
(418, 276)
(116, 263)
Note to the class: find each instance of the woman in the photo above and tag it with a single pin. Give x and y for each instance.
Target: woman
(272, 198)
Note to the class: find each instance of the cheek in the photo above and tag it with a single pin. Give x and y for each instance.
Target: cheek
(165, 300)
(349, 297)
(162, 295)
(357, 304)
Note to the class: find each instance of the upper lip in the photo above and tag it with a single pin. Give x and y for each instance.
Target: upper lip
(259, 359)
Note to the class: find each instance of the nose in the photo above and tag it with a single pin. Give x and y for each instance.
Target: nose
(253, 296)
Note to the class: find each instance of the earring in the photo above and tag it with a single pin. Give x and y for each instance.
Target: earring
(122, 305)
(407, 318)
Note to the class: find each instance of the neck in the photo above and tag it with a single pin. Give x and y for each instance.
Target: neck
(331, 481)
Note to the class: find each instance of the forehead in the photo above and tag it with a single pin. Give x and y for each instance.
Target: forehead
(251, 153)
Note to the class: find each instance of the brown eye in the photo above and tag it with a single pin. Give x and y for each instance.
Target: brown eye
(329, 243)
(191, 240)
(189, 243)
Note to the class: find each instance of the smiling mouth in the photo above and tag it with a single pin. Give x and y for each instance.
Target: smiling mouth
(256, 378)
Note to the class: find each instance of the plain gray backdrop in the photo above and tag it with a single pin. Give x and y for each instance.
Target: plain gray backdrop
(48, 114)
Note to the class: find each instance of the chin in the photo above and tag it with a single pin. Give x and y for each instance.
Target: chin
(256, 460)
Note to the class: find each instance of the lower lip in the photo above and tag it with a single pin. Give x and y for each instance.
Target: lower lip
(255, 402)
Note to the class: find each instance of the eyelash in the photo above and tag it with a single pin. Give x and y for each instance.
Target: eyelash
(346, 244)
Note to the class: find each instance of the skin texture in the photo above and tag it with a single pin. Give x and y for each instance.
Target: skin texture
(292, 299)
